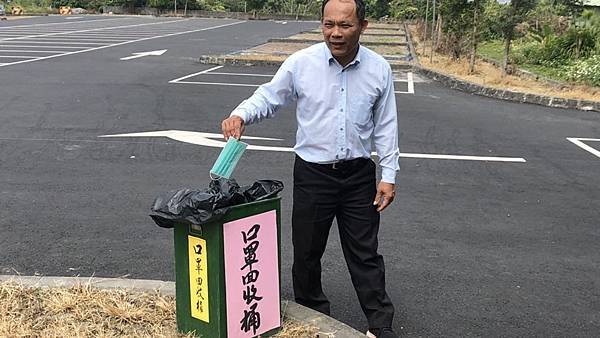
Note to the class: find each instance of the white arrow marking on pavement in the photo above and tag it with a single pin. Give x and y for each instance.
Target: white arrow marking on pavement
(206, 139)
(202, 139)
(578, 142)
(142, 54)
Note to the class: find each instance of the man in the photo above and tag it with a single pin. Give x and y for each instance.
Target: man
(345, 105)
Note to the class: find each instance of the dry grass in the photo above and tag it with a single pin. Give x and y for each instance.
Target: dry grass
(374, 31)
(257, 58)
(390, 50)
(85, 311)
(283, 48)
(491, 76)
(279, 48)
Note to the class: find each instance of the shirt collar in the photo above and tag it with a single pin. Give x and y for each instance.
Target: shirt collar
(331, 59)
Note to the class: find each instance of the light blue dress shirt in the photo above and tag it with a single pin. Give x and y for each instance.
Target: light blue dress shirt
(342, 112)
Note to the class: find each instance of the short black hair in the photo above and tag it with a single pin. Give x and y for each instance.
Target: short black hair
(360, 9)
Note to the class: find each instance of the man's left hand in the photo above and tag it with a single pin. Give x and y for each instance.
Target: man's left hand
(385, 195)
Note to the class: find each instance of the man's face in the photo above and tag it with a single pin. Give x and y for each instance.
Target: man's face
(342, 29)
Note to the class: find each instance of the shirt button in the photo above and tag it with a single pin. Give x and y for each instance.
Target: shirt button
(341, 109)
(341, 148)
(342, 89)
(341, 128)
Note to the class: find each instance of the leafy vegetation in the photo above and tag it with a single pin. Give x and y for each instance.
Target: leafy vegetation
(557, 39)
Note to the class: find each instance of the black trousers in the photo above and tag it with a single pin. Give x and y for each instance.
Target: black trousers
(346, 192)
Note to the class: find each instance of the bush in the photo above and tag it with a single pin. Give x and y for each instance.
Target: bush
(587, 71)
(555, 50)
(525, 52)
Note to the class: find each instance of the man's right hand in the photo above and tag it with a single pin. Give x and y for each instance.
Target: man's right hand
(233, 126)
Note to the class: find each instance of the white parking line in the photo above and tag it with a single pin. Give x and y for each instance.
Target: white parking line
(202, 72)
(218, 84)
(29, 46)
(60, 23)
(464, 157)
(103, 34)
(579, 142)
(409, 80)
(17, 57)
(93, 30)
(61, 42)
(243, 74)
(120, 43)
(75, 38)
(410, 84)
(29, 51)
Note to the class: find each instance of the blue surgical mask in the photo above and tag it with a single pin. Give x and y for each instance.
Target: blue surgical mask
(228, 158)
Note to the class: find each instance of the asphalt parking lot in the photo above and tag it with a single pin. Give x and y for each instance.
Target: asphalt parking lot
(495, 230)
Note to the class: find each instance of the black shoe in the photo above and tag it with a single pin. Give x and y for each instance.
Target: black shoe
(384, 332)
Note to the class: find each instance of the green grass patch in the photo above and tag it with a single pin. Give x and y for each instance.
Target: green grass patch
(494, 50)
(491, 49)
(554, 73)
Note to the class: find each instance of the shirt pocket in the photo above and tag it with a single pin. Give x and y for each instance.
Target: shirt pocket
(361, 110)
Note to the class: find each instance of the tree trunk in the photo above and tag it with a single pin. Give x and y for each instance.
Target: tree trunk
(432, 32)
(507, 41)
(439, 31)
(474, 44)
(424, 36)
(455, 47)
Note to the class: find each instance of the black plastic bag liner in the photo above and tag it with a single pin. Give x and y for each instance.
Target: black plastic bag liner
(203, 206)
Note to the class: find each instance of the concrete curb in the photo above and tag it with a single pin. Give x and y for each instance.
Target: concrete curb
(328, 327)
(414, 60)
(508, 95)
(231, 60)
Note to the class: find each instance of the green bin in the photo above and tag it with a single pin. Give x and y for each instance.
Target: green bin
(228, 273)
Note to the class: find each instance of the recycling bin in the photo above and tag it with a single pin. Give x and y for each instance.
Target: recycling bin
(228, 273)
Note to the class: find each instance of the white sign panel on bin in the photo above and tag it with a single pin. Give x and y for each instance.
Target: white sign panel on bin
(252, 275)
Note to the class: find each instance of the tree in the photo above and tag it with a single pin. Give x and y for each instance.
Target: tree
(458, 20)
(477, 9)
(381, 8)
(587, 27)
(376, 8)
(403, 9)
(512, 14)
(256, 5)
